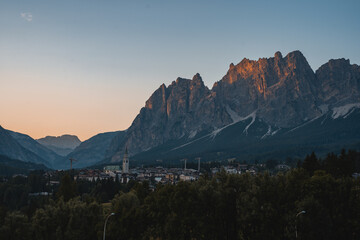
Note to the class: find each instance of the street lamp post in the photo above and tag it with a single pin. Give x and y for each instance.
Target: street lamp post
(107, 218)
(302, 212)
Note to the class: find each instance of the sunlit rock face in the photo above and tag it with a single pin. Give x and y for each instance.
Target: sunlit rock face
(281, 91)
(339, 82)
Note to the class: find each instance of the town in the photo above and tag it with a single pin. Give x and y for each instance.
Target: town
(163, 175)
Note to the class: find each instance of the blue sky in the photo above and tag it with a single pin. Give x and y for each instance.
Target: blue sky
(83, 67)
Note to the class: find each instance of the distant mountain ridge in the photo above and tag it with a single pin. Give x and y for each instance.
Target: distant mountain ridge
(278, 92)
(10, 147)
(92, 151)
(32, 145)
(62, 145)
(15, 147)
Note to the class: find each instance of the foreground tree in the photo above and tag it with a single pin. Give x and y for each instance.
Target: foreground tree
(67, 189)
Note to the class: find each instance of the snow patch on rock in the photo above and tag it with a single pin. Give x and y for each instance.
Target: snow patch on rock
(234, 116)
(344, 111)
(274, 132)
(253, 116)
(304, 124)
(238, 119)
(268, 133)
(192, 134)
(217, 131)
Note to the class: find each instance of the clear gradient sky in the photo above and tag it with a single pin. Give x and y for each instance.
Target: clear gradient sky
(85, 67)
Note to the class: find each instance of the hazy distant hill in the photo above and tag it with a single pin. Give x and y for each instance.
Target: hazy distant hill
(260, 102)
(37, 148)
(93, 150)
(61, 145)
(20, 146)
(10, 147)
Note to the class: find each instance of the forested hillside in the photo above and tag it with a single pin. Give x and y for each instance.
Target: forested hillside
(222, 206)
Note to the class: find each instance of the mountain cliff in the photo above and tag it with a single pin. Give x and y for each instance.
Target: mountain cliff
(271, 93)
(282, 91)
(184, 108)
(339, 82)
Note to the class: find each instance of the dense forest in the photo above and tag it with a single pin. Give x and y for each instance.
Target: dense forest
(318, 199)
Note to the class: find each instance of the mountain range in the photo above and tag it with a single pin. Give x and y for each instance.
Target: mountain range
(274, 107)
(35, 154)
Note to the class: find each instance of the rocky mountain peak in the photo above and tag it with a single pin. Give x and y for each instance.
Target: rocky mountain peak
(157, 99)
(296, 55)
(197, 83)
(266, 72)
(339, 82)
(180, 82)
(197, 78)
(296, 60)
(285, 84)
(278, 56)
(168, 114)
(231, 66)
(335, 65)
(281, 91)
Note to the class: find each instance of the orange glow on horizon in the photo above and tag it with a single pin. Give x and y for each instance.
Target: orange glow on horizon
(37, 108)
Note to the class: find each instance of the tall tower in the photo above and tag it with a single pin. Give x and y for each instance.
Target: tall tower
(125, 168)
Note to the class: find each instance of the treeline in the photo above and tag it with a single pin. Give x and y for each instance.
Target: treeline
(338, 166)
(9, 166)
(219, 207)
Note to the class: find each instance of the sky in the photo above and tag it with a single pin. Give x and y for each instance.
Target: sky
(84, 67)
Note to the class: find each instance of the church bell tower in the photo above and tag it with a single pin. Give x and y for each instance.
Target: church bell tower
(125, 168)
